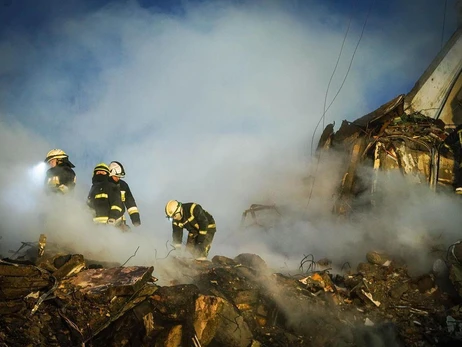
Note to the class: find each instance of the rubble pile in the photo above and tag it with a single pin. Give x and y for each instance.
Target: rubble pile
(63, 300)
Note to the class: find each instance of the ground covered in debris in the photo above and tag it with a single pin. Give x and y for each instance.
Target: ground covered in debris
(65, 300)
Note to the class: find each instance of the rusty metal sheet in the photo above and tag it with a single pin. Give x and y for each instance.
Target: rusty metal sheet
(111, 282)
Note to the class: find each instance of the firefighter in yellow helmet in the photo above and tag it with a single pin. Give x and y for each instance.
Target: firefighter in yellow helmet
(116, 173)
(104, 197)
(60, 177)
(197, 221)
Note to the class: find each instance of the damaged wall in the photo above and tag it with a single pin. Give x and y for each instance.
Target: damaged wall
(387, 140)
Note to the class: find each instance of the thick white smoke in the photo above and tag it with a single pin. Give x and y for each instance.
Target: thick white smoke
(216, 105)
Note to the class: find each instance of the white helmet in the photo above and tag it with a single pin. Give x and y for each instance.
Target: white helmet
(116, 169)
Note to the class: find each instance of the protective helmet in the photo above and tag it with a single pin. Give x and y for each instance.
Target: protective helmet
(101, 167)
(55, 154)
(172, 208)
(116, 169)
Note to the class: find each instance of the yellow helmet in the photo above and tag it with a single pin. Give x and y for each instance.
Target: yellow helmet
(172, 208)
(55, 154)
(101, 167)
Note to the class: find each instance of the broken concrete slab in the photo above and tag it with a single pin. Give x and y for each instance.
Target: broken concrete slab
(72, 266)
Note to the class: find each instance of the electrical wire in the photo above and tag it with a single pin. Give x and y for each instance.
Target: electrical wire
(353, 56)
(344, 78)
(338, 91)
(330, 81)
(335, 69)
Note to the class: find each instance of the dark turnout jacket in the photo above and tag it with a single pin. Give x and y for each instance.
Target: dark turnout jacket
(60, 179)
(454, 140)
(105, 200)
(129, 202)
(196, 220)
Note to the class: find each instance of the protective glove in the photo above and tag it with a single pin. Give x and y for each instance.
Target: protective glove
(200, 239)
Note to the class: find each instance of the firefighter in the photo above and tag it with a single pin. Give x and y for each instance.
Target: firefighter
(117, 172)
(199, 223)
(454, 142)
(60, 178)
(104, 197)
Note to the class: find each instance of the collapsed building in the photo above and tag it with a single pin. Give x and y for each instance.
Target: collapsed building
(404, 134)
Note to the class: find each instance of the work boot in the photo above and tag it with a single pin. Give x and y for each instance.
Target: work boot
(459, 190)
(124, 228)
(200, 252)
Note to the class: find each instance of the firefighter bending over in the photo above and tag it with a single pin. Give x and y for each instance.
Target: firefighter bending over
(199, 223)
(454, 142)
(117, 172)
(104, 198)
(60, 178)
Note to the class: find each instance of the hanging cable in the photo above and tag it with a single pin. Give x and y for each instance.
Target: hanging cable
(335, 69)
(330, 81)
(338, 91)
(345, 77)
(352, 57)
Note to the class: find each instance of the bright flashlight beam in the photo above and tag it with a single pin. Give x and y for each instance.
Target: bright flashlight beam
(39, 168)
(37, 173)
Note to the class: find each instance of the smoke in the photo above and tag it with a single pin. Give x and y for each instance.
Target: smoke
(408, 221)
(214, 104)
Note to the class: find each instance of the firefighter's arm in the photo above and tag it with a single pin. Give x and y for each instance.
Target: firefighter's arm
(177, 235)
(68, 178)
(202, 221)
(52, 181)
(132, 209)
(452, 139)
(90, 201)
(115, 203)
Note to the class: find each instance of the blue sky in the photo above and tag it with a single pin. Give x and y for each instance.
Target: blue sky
(200, 100)
(35, 21)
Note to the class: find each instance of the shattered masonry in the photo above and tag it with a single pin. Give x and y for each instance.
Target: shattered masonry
(65, 300)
